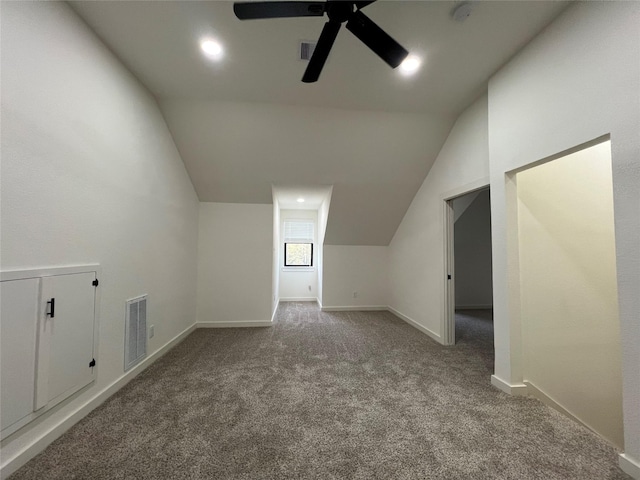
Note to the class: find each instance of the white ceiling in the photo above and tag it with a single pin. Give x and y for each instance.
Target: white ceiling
(248, 122)
(313, 196)
(159, 42)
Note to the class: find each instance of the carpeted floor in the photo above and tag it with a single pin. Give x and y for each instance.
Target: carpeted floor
(348, 395)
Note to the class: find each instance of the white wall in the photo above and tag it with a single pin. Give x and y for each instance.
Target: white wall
(569, 307)
(235, 244)
(360, 269)
(416, 268)
(90, 174)
(472, 251)
(323, 215)
(299, 283)
(575, 82)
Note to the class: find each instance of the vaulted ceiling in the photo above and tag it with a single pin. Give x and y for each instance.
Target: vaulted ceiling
(247, 122)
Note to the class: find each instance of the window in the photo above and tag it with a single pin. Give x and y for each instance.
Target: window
(298, 243)
(298, 254)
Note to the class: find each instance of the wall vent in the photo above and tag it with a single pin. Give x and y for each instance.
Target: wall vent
(135, 337)
(306, 50)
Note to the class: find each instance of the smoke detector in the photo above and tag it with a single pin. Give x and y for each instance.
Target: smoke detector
(462, 12)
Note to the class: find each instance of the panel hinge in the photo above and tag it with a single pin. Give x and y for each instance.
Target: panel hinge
(95, 282)
(92, 363)
(448, 277)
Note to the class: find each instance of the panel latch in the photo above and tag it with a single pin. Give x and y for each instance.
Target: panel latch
(52, 311)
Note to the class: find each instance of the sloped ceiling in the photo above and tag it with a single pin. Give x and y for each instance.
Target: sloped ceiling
(247, 122)
(376, 161)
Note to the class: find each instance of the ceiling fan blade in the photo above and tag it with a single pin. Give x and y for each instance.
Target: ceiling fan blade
(255, 10)
(376, 39)
(321, 52)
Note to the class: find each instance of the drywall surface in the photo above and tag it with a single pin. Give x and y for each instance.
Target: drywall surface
(460, 204)
(90, 174)
(472, 252)
(323, 215)
(568, 287)
(416, 267)
(577, 81)
(360, 269)
(299, 282)
(374, 176)
(235, 244)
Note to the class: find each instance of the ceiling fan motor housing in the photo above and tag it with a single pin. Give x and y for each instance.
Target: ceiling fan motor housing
(340, 11)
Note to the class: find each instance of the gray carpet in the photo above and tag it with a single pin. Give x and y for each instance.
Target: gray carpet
(350, 395)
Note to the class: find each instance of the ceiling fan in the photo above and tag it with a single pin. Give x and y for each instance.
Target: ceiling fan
(338, 11)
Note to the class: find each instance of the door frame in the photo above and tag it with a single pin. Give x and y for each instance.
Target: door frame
(448, 326)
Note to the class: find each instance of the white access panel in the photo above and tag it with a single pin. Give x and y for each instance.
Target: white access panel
(66, 339)
(18, 323)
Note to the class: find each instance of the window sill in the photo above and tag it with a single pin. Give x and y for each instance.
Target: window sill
(298, 269)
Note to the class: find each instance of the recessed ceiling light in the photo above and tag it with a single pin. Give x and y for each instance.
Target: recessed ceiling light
(300, 200)
(410, 65)
(212, 49)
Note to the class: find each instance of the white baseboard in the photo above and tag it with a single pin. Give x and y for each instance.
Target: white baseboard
(13, 463)
(548, 400)
(376, 308)
(474, 307)
(360, 308)
(275, 310)
(416, 325)
(628, 466)
(238, 324)
(298, 299)
(516, 389)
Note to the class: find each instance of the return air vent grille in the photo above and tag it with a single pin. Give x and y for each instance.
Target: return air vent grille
(135, 341)
(306, 50)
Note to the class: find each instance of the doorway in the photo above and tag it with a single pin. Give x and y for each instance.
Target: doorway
(568, 287)
(469, 289)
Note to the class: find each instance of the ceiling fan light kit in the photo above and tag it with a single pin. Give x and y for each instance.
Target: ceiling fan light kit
(338, 12)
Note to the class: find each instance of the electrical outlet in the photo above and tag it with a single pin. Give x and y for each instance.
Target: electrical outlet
(309, 287)
(152, 331)
(355, 294)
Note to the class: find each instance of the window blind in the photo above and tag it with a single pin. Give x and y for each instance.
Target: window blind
(298, 231)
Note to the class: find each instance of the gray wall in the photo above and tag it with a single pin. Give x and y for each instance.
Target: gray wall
(472, 244)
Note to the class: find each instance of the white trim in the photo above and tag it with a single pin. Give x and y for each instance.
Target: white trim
(275, 310)
(448, 326)
(319, 303)
(470, 187)
(49, 271)
(448, 320)
(298, 299)
(361, 308)
(43, 441)
(416, 325)
(548, 400)
(628, 466)
(378, 308)
(238, 324)
(474, 307)
(515, 390)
